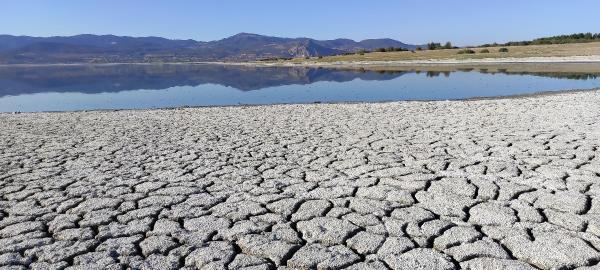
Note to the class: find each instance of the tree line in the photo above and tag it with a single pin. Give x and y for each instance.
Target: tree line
(561, 39)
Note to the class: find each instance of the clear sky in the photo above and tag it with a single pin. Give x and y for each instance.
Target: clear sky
(460, 21)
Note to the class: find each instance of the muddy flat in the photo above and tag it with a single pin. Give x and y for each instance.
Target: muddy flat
(485, 184)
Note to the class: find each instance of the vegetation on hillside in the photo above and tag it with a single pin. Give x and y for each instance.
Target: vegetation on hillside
(552, 50)
(466, 51)
(363, 51)
(439, 46)
(557, 46)
(431, 46)
(470, 51)
(391, 49)
(562, 39)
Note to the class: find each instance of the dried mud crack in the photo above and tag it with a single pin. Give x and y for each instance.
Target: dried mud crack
(487, 184)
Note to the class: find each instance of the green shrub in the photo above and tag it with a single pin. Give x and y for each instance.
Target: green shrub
(434, 46)
(466, 51)
(484, 51)
(503, 50)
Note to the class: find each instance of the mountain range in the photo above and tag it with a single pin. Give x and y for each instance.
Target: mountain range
(122, 49)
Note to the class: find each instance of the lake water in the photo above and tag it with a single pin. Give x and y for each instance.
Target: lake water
(69, 88)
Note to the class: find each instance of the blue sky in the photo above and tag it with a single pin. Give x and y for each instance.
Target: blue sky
(462, 22)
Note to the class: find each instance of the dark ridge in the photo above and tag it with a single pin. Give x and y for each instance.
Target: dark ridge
(122, 49)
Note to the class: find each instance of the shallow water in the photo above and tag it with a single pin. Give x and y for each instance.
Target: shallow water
(70, 88)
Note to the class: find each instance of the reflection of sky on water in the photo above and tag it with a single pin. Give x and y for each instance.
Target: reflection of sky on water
(408, 86)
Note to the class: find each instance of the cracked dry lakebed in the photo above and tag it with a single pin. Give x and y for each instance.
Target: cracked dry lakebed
(484, 184)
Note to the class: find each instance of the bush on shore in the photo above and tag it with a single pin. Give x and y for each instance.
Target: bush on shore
(439, 46)
(466, 51)
(390, 49)
(503, 50)
(434, 46)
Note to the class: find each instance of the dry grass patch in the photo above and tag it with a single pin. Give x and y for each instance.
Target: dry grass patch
(556, 50)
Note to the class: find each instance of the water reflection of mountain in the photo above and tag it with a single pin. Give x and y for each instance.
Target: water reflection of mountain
(115, 78)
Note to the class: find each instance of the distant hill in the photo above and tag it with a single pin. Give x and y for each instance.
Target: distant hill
(113, 49)
(246, 46)
(112, 42)
(349, 45)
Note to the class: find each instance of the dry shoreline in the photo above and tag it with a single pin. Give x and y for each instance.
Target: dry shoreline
(485, 184)
(511, 60)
